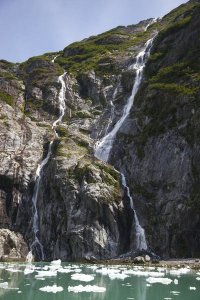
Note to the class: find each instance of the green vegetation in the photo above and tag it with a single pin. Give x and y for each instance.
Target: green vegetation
(99, 53)
(173, 88)
(83, 114)
(5, 97)
(62, 131)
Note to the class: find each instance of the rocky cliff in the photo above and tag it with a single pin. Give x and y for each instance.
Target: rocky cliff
(83, 212)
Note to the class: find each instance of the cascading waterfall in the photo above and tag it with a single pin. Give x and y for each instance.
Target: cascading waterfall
(61, 99)
(37, 245)
(141, 243)
(112, 110)
(104, 146)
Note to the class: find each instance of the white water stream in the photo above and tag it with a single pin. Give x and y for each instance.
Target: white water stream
(37, 245)
(104, 146)
(141, 243)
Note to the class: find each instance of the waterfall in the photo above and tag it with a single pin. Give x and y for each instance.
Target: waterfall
(37, 245)
(150, 23)
(104, 146)
(112, 110)
(61, 99)
(141, 243)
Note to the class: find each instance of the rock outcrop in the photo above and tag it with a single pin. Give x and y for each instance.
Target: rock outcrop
(158, 146)
(83, 213)
(12, 246)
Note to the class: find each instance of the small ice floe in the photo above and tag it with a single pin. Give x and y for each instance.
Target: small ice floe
(118, 276)
(43, 274)
(82, 277)
(51, 289)
(159, 280)
(192, 288)
(180, 271)
(130, 298)
(148, 284)
(167, 298)
(198, 278)
(92, 267)
(87, 288)
(144, 273)
(29, 269)
(19, 292)
(56, 262)
(76, 270)
(13, 270)
(2, 266)
(175, 292)
(175, 281)
(107, 271)
(4, 285)
(65, 270)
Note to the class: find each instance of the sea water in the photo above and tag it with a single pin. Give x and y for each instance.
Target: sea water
(61, 281)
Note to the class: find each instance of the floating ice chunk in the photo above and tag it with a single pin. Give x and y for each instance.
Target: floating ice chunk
(144, 273)
(56, 262)
(148, 284)
(118, 276)
(77, 270)
(87, 288)
(29, 270)
(159, 280)
(106, 271)
(175, 281)
(4, 285)
(64, 270)
(46, 274)
(92, 267)
(19, 292)
(82, 277)
(192, 288)
(198, 278)
(51, 289)
(176, 272)
(137, 273)
(175, 292)
(167, 298)
(13, 270)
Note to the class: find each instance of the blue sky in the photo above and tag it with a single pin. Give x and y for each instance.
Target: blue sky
(33, 27)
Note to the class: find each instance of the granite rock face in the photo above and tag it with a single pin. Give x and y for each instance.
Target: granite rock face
(83, 213)
(161, 156)
(12, 246)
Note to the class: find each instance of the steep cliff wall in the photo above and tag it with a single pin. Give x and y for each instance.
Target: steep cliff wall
(83, 211)
(158, 145)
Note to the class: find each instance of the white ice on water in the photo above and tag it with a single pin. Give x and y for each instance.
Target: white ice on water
(82, 277)
(87, 288)
(51, 289)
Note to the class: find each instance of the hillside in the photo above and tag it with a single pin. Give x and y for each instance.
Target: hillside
(82, 210)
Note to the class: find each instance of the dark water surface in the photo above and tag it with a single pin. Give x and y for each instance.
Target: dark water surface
(66, 281)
